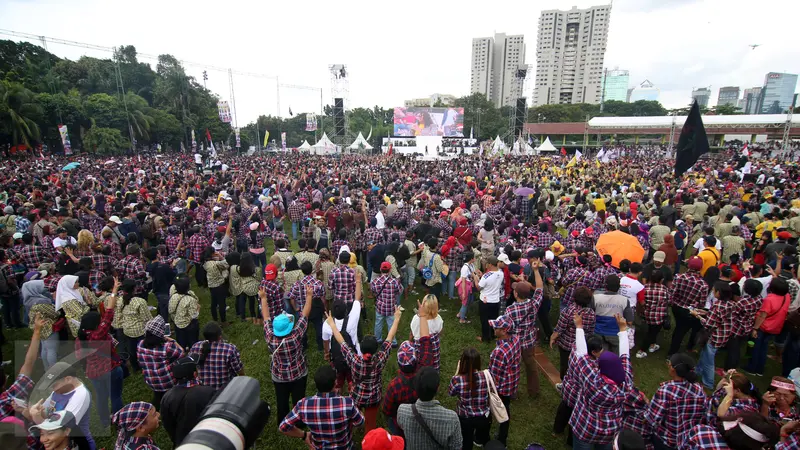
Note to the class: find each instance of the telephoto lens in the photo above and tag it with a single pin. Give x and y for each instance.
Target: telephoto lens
(233, 421)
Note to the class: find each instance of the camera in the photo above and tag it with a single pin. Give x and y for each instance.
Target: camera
(234, 420)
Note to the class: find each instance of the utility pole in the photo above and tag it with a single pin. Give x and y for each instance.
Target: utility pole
(603, 90)
(205, 78)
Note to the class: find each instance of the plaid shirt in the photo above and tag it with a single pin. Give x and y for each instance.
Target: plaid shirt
(135, 316)
(720, 322)
(544, 239)
(93, 223)
(221, 365)
(103, 361)
(401, 388)
(746, 234)
(386, 290)
(296, 211)
(455, 257)
(575, 278)
(702, 437)
(171, 242)
(746, 309)
(597, 279)
(374, 235)
(442, 224)
(156, 364)
(33, 256)
(656, 301)
(102, 263)
(274, 297)
(367, 374)
(342, 282)
(288, 358)
(275, 235)
(633, 412)
(791, 442)
(197, 243)
(566, 325)
(132, 268)
(738, 405)
(21, 389)
(329, 417)
(523, 314)
(504, 365)
(598, 411)
(689, 290)
(336, 247)
(676, 406)
(471, 402)
(298, 290)
(116, 249)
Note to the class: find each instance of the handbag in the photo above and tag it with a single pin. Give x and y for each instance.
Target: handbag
(496, 404)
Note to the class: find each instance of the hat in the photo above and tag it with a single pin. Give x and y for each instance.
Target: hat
(794, 375)
(254, 226)
(549, 256)
(380, 439)
(115, 219)
(443, 214)
(557, 248)
(679, 222)
(156, 326)
(130, 417)
(185, 367)
(60, 230)
(659, 256)
(33, 275)
(502, 322)
(282, 324)
(503, 258)
(611, 366)
(59, 419)
(784, 235)
(386, 266)
(695, 263)
(522, 289)
(405, 354)
(270, 272)
(8, 210)
(17, 235)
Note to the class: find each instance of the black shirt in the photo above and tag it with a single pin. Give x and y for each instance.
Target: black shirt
(181, 409)
(162, 275)
(647, 272)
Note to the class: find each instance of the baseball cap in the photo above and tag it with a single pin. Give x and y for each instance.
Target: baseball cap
(115, 219)
(659, 256)
(282, 324)
(156, 326)
(386, 266)
(522, 289)
(502, 322)
(503, 258)
(405, 354)
(695, 263)
(271, 272)
(784, 235)
(60, 230)
(185, 367)
(8, 210)
(59, 419)
(17, 235)
(380, 439)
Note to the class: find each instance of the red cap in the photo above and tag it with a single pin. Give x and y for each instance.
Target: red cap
(443, 214)
(784, 235)
(380, 439)
(386, 266)
(270, 272)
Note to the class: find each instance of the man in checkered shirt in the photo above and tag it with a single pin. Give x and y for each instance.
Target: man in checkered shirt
(31, 254)
(688, 290)
(504, 366)
(297, 300)
(329, 416)
(342, 281)
(597, 279)
(522, 314)
(386, 289)
(443, 422)
(131, 267)
(156, 361)
(720, 324)
(197, 243)
(273, 290)
(543, 238)
(222, 361)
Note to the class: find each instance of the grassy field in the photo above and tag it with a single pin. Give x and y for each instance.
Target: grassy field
(531, 418)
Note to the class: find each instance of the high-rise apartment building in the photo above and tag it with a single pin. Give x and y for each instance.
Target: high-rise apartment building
(615, 84)
(702, 96)
(495, 65)
(728, 95)
(750, 100)
(570, 49)
(778, 93)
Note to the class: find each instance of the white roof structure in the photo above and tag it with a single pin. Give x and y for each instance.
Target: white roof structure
(742, 121)
(498, 145)
(324, 146)
(360, 143)
(305, 145)
(526, 148)
(546, 146)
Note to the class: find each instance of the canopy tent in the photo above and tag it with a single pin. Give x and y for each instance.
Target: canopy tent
(324, 146)
(546, 146)
(305, 146)
(498, 146)
(360, 143)
(525, 150)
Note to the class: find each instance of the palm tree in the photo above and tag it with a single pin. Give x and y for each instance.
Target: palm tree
(138, 116)
(17, 112)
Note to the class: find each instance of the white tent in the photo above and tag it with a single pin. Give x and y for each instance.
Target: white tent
(526, 148)
(360, 143)
(498, 146)
(324, 146)
(305, 146)
(546, 146)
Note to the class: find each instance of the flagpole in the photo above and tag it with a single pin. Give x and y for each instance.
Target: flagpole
(672, 133)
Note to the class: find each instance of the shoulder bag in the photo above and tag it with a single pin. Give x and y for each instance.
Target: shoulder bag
(421, 421)
(496, 404)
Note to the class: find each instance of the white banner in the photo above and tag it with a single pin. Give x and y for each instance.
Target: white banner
(224, 111)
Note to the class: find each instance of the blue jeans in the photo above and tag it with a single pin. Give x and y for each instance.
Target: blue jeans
(295, 227)
(163, 305)
(705, 366)
(451, 283)
(409, 276)
(462, 313)
(50, 350)
(180, 268)
(758, 358)
(108, 386)
(379, 319)
(578, 444)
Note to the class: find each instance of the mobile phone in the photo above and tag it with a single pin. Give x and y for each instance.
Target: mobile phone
(167, 330)
(20, 403)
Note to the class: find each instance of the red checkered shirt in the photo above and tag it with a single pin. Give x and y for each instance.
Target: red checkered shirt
(598, 276)
(575, 278)
(329, 417)
(633, 412)
(544, 240)
(220, 366)
(791, 443)
(102, 263)
(442, 224)
(105, 359)
(656, 301)
(296, 211)
(116, 249)
(689, 290)
(336, 247)
(504, 365)
(746, 309)
(197, 243)
(566, 325)
(157, 362)
(702, 437)
(401, 389)
(274, 297)
(21, 389)
(675, 406)
(288, 358)
(472, 402)
(598, 412)
(386, 290)
(342, 282)
(33, 256)
(276, 236)
(132, 268)
(523, 314)
(738, 405)
(454, 257)
(298, 291)
(172, 242)
(367, 374)
(720, 322)
(374, 235)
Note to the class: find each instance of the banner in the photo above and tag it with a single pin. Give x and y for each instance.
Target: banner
(266, 139)
(283, 140)
(211, 144)
(238, 142)
(194, 142)
(311, 122)
(224, 111)
(62, 130)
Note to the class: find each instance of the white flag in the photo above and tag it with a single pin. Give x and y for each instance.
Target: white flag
(601, 153)
(578, 155)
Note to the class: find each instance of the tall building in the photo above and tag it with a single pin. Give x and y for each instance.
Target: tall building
(778, 93)
(728, 95)
(644, 91)
(570, 49)
(750, 100)
(495, 65)
(615, 84)
(432, 100)
(702, 95)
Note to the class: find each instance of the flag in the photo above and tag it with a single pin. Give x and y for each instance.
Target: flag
(194, 143)
(597, 162)
(266, 138)
(578, 154)
(62, 130)
(183, 148)
(745, 151)
(573, 161)
(290, 111)
(370, 133)
(211, 143)
(470, 133)
(601, 153)
(311, 122)
(530, 140)
(692, 142)
(390, 149)
(283, 140)
(563, 151)
(238, 138)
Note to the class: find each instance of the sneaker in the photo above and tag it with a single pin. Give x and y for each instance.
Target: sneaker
(654, 348)
(442, 310)
(475, 444)
(402, 309)
(559, 386)
(641, 354)
(5, 363)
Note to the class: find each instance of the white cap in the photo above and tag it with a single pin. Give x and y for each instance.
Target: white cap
(503, 258)
(115, 219)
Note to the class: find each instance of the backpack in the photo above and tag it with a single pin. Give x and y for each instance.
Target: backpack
(323, 239)
(337, 357)
(680, 239)
(8, 288)
(427, 271)
(10, 222)
(148, 229)
(276, 210)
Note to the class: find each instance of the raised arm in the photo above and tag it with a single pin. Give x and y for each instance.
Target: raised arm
(309, 299)
(581, 348)
(393, 330)
(262, 296)
(33, 348)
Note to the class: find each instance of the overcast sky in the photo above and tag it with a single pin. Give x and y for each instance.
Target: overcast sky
(396, 51)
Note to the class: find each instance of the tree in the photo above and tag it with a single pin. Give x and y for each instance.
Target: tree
(725, 110)
(18, 113)
(104, 140)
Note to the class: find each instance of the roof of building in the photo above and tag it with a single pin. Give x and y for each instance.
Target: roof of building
(760, 120)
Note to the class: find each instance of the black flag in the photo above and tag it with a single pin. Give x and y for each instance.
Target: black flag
(692, 143)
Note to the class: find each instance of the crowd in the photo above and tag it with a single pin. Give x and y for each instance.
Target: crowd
(353, 237)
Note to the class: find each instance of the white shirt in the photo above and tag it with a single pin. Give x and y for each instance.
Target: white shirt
(700, 245)
(198, 158)
(352, 327)
(466, 271)
(434, 325)
(380, 221)
(58, 242)
(491, 284)
(629, 288)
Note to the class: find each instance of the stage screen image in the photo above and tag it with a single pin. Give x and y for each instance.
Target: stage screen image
(447, 122)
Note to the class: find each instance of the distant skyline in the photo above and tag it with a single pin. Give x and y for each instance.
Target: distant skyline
(404, 53)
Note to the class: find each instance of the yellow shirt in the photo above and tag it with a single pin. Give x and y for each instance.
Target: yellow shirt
(710, 257)
(599, 204)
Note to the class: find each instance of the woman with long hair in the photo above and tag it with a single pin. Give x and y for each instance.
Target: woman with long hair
(769, 323)
(184, 309)
(291, 275)
(486, 238)
(135, 316)
(255, 241)
(743, 431)
(216, 268)
(244, 286)
(735, 394)
(219, 361)
(470, 386)
(156, 353)
(85, 243)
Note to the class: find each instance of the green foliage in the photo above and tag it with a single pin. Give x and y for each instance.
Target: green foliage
(105, 141)
(18, 114)
(726, 110)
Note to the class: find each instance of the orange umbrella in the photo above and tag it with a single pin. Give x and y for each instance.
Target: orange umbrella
(620, 246)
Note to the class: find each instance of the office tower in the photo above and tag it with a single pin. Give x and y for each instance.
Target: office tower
(702, 95)
(495, 65)
(778, 93)
(728, 95)
(750, 100)
(615, 85)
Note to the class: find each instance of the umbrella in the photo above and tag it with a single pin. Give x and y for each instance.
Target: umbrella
(524, 191)
(446, 204)
(71, 166)
(620, 246)
(110, 161)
